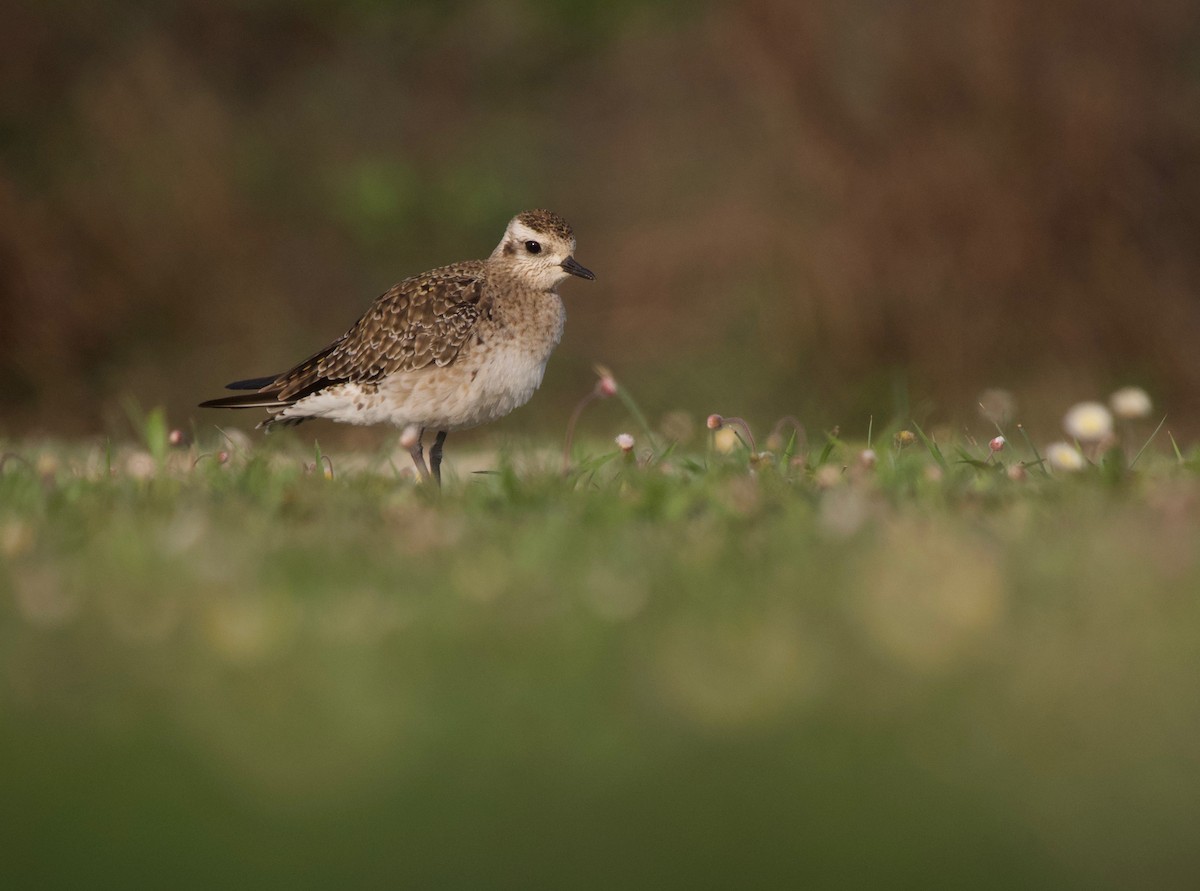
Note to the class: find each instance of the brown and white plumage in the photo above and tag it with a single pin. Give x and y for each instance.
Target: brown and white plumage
(445, 350)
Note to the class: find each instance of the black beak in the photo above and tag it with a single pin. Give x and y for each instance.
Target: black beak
(574, 268)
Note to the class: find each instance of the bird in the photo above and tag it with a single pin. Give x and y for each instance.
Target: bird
(445, 350)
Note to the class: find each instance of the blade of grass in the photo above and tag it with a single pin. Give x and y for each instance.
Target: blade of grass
(830, 445)
(1175, 446)
(631, 404)
(1040, 463)
(789, 450)
(965, 457)
(931, 446)
(1147, 442)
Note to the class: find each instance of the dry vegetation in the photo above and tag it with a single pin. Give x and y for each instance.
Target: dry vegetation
(786, 203)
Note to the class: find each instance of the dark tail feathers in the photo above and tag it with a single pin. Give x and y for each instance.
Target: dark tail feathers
(249, 400)
(253, 383)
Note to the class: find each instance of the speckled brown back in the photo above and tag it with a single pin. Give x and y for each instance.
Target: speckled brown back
(422, 320)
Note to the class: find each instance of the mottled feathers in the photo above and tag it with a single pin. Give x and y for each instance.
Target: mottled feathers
(546, 221)
(423, 320)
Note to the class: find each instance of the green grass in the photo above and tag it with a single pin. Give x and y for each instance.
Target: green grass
(693, 672)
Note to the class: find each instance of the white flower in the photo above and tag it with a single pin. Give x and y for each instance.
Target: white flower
(1088, 422)
(1064, 456)
(867, 458)
(1131, 403)
(624, 442)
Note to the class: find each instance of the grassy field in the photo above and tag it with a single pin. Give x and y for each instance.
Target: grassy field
(688, 669)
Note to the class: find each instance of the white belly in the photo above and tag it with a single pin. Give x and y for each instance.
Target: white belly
(468, 394)
(472, 391)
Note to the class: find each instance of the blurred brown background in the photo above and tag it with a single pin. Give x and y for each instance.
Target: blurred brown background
(826, 208)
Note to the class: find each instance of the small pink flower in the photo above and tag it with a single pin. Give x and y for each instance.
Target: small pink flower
(625, 442)
(867, 458)
(998, 444)
(715, 422)
(607, 384)
(222, 457)
(176, 437)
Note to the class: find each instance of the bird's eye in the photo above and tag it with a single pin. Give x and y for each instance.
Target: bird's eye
(533, 247)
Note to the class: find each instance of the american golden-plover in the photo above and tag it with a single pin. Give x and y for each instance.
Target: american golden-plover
(449, 349)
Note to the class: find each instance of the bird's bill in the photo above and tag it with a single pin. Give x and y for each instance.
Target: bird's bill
(571, 266)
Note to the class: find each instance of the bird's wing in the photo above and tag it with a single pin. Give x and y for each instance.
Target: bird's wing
(421, 321)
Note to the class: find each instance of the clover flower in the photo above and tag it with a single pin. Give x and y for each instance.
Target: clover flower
(1064, 456)
(1131, 403)
(1088, 422)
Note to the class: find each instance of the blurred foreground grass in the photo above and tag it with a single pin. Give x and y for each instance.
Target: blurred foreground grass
(693, 674)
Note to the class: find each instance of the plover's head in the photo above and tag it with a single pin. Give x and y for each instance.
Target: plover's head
(539, 246)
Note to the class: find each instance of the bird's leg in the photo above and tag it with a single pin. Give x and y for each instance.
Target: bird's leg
(418, 455)
(435, 456)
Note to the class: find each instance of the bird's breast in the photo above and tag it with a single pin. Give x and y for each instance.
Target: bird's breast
(532, 321)
(510, 350)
